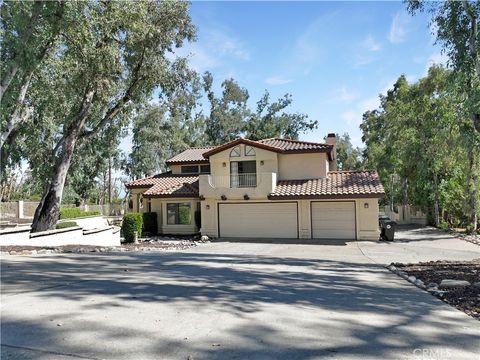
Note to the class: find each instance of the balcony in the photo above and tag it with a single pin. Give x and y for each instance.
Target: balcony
(255, 185)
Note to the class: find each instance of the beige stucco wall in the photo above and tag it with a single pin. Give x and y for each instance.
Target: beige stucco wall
(302, 166)
(366, 218)
(269, 158)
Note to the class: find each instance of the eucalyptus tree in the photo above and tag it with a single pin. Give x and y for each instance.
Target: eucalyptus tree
(114, 57)
(456, 24)
(271, 120)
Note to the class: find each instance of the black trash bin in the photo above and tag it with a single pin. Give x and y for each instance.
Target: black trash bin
(387, 229)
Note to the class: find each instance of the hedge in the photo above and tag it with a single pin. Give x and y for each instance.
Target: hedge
(66, 224)
(132, 222)
(150, 223)
(71, 213)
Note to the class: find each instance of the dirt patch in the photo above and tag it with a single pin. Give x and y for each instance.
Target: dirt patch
(466, 298)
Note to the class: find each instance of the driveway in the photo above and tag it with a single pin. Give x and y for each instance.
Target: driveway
(232, 300)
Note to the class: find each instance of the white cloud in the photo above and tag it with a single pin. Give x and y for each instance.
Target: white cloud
(277, 80)
(353, 117)
(344, 95)
(361, 60)
(437, 59)
(371, 44)
(398, 28)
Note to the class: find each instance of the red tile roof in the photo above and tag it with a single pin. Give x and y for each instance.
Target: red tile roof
(276, 145)
(168, 185)
(337, 184)
(189, 156)
(287, 145)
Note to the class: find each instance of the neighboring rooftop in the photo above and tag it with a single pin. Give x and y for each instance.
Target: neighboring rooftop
(336, 184)
(192, 155)
(167, 185)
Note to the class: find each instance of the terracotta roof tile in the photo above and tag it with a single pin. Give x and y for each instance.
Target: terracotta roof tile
(287, 145)
(168, 185)
(190, 156)
(336, 184)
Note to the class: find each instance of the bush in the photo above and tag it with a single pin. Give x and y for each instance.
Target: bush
(132, 222)
(71, 213)
(150, 223)
(66, 224)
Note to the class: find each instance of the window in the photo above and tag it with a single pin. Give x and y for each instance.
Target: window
(249, 150)
(243, 174)
(179, 214)
(235, 152)
(204, 169)
(190, 169)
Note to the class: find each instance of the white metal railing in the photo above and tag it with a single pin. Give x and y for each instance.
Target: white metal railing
(248, 180)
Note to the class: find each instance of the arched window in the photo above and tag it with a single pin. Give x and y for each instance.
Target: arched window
(235, 152)
(249, 150)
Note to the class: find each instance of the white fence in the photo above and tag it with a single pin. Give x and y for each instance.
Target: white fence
(26, 209)
(406, 214)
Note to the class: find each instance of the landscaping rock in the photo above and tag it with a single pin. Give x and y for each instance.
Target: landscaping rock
(477, 285)
(432, 285)
(452, 283)
(412, 279)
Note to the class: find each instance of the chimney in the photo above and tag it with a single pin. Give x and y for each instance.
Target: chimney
(332, 140)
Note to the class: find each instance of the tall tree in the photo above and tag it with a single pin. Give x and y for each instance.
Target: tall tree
(457, 24)
(271, 120)
(348, 156)
(116, 54)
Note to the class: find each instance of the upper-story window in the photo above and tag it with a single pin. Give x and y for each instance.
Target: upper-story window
(190, 169)
(235, 152)
(204, 169)
(249, 150)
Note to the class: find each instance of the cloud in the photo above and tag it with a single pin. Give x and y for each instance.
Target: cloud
(277, 80)
(353, 117)
(215, 48)
(398, 28)
(437, 59)
(344, 95)
(371, 44)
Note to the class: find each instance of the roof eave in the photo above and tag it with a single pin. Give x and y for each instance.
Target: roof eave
(327, 196)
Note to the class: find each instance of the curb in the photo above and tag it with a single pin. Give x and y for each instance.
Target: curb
(431, 288)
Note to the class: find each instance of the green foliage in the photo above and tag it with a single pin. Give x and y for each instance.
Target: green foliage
(184, 214)
(66, 224)
(72, 213)
(348, 157)
(415, 141)
(150, 223)
(132, 222)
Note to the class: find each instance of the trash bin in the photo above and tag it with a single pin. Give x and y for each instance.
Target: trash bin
(387, 229)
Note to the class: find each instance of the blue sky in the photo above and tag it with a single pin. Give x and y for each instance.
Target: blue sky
(333, 57)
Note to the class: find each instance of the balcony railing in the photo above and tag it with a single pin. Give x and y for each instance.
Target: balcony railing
(247, 180)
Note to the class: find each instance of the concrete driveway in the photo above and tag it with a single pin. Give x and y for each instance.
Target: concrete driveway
(232, 300)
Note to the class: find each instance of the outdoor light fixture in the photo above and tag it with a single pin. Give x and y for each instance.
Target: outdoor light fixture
(224, 197)
(246, 197)
(224, 164)
(261, 162)
(207, 207)
(202, 197)
(365, 205)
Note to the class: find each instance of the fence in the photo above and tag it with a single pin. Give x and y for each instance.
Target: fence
(406, 214)
(26, 209)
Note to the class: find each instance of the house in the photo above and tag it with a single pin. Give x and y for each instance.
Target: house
(271, 188)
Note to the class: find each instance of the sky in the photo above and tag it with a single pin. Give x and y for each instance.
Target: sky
(334, 58)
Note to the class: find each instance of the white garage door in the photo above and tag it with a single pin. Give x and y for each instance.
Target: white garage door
(278, 220)
(333, 220)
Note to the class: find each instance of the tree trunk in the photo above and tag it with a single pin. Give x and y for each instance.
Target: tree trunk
(435, 204)
(48, 210)
(473, 188)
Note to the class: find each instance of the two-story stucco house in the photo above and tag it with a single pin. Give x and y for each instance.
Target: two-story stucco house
(271, 188)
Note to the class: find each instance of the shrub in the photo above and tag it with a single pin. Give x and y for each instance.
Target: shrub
(150, 223)
(71, 213)
(66, 224)
(132, 222)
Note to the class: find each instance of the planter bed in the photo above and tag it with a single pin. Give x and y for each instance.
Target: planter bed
(429, 276)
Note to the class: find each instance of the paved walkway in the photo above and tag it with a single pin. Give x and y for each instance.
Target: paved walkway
(235, 301)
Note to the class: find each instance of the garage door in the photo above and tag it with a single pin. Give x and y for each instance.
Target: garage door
(278, 220)
(333, 220)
